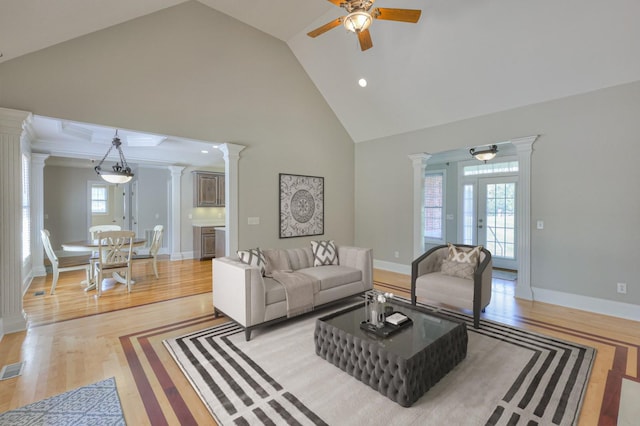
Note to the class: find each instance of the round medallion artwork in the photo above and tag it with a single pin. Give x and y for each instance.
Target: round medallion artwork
(302, 206)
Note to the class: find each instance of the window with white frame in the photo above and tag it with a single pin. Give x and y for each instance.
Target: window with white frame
(26, 209)
(434, 188)
(99, 199)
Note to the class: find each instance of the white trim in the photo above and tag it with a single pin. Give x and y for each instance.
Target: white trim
(586, 303)
(392, 267)
(419, 162)
(524, 147)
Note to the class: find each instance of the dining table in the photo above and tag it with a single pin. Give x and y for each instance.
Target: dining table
(92, 246)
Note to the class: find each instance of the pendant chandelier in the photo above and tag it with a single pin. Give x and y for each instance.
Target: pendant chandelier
(121, 172)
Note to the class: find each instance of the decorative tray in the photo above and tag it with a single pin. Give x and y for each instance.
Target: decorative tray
(387, 329)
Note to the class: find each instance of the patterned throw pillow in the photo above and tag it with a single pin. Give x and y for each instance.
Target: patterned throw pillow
(253, 257)
(324, 253)
(464, 254)
(457, 269)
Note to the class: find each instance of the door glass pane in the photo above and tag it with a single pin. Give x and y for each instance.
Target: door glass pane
(468, 207)
(500, 213)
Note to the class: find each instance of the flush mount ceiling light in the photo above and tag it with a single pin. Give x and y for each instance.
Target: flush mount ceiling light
(121, 172)
(486, 154)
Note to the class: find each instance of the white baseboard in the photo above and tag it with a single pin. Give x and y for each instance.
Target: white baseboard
(586, 303)
(393, 267)
(575, 301)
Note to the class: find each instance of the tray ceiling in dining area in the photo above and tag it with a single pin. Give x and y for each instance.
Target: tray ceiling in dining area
(463, 59)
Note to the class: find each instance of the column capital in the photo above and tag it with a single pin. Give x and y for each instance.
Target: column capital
(420, 159)
(12, 121)
(231, 150)
(524, 144)
(176, 171)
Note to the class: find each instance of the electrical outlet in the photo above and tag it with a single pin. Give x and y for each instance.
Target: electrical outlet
(622, 288)
(396, 254)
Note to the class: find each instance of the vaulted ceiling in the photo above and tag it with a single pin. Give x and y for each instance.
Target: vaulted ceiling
(464, 58)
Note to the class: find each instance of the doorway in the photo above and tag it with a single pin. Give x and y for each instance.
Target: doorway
(107, 204)
(489, 217)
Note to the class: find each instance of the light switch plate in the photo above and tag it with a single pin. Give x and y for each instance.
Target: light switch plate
(540, 225)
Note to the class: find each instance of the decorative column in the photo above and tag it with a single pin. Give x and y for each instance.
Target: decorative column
(524, 146)
(176, 208)
(37, 213)
(231, 159)
(12, 317)
(419, 166)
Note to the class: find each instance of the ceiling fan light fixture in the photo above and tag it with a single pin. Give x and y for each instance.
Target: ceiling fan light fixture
(357, 21)
(121, 172)
(484, 154)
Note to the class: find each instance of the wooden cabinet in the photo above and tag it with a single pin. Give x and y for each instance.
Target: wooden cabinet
(208, 190)
(221, 242)
(204, 242)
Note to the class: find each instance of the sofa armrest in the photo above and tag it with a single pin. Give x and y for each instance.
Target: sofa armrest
(359, 258)
(238, 291)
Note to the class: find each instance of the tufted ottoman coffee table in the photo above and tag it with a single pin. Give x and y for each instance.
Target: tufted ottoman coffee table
(402, 366)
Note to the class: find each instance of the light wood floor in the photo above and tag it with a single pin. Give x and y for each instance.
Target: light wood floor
(74, 340)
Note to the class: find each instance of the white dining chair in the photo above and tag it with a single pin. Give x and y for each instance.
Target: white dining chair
(62, 264)
(114, 256)
(93, 230)
(156, 243)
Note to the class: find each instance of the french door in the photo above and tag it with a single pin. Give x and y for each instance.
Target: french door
(489, 218)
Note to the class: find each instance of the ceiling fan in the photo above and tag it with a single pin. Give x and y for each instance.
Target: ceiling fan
(360, 17)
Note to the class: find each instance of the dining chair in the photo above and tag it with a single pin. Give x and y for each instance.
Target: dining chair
(156, 243)
(114, 256)
(93, 230)
(62, 264)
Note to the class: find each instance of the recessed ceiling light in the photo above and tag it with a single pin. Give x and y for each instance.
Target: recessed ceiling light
(204, 151)
(362, 82)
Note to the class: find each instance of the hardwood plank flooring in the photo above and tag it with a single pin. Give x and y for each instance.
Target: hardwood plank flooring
(74, 339)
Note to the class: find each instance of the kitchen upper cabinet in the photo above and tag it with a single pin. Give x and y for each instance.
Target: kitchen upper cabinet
(208, 189)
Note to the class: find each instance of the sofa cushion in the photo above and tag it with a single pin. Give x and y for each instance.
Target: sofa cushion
(324, 253)
(457, 269)
(253, 257)
(331, 276)
(300, 258)
(445, 289)
(274, 291)
(276, 260)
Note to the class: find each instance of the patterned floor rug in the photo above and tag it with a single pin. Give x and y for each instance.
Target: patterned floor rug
(96, 404)
(510, 376)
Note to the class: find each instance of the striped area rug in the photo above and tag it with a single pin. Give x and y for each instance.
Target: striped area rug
(510, 376)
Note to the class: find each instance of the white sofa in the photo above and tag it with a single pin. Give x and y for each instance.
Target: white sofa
(242, 293)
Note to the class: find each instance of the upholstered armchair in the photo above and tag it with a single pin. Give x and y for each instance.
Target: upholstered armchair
(435, 277)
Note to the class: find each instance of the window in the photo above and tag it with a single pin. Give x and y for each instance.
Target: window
(99, 199)
(434, 206)
(491, 168)
(26, 209)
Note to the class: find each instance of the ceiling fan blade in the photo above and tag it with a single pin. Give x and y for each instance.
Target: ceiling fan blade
(365, 40)
(402, 15)
(326, 27)
(337, 2)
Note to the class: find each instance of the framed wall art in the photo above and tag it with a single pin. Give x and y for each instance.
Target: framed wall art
(301, 205)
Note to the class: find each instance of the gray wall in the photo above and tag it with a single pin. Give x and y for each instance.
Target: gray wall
(66, 204)
(584, 187)
(193, 72)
